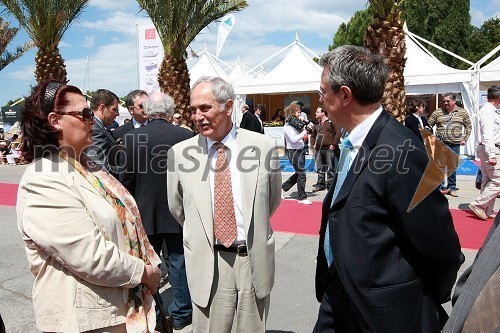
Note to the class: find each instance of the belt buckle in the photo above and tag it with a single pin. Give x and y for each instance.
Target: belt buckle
(239, 250)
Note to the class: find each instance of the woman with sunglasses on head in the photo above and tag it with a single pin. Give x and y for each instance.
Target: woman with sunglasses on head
(93, 264)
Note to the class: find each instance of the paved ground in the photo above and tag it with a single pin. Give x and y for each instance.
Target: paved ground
(293, 305)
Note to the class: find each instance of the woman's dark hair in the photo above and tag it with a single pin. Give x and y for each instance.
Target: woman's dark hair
(35, 128)
(412, 105)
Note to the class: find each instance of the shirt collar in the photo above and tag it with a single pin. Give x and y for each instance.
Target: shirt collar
(359, 133)
(229, 141)
(138, 124)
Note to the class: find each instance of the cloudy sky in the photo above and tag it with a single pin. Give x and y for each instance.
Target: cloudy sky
(100, 49)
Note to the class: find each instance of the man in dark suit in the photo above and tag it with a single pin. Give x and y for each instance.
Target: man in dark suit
(104, 103)
(416, 120)
(133, 103)
(249, 121)
(145, 176)
(381, 267)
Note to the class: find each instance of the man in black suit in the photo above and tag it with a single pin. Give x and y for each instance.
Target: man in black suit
(416, 120)
(249, 121)
(133, 103)
(104, 103)
(381, 267)
(145, 176)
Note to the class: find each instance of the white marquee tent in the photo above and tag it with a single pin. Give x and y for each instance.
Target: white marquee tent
(489, 75)
(297, 72)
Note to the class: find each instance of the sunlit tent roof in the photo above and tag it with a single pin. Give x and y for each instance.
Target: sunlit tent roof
(425, 74)
(297, 72)
(490, 74)
(207, 65)
(239, 73)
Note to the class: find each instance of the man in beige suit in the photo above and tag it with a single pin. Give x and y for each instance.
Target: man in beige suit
(229, 252)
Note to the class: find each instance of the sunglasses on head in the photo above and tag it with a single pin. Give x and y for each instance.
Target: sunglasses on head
(86, 114)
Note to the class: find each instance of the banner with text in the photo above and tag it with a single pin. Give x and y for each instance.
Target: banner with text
(149, 58)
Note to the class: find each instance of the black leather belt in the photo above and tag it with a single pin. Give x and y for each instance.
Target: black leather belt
(240, 250)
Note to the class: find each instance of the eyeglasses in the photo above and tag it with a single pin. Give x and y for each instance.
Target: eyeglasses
(321, 94)
(86, 114)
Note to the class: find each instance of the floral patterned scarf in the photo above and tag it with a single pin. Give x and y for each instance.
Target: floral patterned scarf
(141, 316)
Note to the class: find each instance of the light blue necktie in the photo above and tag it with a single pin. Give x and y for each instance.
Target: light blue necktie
(344, 163)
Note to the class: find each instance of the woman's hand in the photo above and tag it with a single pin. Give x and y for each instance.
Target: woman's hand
(151, 278)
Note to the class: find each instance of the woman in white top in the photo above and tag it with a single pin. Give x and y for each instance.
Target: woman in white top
(294, 132)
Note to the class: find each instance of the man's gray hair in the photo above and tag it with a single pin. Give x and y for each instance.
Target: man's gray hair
(158, 104)
(222, 90)
(365, 73)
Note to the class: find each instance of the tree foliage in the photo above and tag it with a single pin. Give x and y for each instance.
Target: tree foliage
(483, 39)
(446, 23)
(352, 33)
(46, 21)
(443, 22)
(7, 34)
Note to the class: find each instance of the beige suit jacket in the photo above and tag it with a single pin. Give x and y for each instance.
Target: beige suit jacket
(190, 203)
(81, 279)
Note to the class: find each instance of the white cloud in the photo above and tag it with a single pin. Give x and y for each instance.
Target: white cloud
(112, 66)
(88, 42)
(113, 4)
(119, 22)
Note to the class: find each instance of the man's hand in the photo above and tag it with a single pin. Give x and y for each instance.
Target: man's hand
(492, 161)
(462, 143)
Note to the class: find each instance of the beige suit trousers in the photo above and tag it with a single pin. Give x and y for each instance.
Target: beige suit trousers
(232, 297)
(490, 185)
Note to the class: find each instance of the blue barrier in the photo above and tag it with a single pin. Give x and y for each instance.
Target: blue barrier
(466, 166)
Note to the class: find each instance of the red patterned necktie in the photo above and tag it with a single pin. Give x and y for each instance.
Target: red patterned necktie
(224, 217)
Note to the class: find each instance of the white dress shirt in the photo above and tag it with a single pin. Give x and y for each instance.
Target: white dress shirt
(489, 128)
(359, 133)
(138, 124)
(231, 154)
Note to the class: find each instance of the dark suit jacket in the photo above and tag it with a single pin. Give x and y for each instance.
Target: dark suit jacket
(412, 123)
(103, 150)
(474, 279)
(120, 132)
(145, 172)
(249, 121)
(395, 266)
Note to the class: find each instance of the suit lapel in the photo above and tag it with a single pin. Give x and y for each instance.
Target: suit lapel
(248, 178)
(362, 157)
(201, 182)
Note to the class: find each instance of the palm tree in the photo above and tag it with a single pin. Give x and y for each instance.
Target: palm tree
(46, 21)
(385, 35)
(6, 36)
(178, 22)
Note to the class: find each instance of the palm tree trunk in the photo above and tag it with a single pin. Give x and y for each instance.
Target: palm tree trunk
(173, 78)
(50, 65)
(386, 36)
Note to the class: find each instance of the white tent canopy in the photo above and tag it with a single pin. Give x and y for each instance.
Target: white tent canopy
(489, 75)
(297, 72)
(425, 74)
(239, 74)
(207, 65)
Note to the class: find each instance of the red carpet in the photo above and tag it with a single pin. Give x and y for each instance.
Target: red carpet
(293, 217)
(8, 194)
